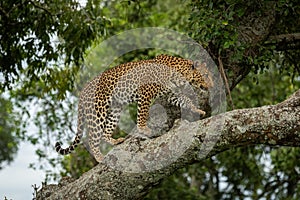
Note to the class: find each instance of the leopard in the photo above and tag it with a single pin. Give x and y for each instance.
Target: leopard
(102, 99)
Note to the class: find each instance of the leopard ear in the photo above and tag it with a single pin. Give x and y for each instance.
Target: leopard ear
(197, 64)
(205, 72)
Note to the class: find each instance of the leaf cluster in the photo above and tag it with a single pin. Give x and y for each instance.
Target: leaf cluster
(8, 130)
(239, 34)
(36, 35)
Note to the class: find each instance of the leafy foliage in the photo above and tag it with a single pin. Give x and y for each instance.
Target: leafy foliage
(41, 50)
(237, 33)
(8, 128)
(38, 36)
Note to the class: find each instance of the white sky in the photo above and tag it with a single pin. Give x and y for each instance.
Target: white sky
(16, 179)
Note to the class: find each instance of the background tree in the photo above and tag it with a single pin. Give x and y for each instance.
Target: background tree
(8, 129)
(256, 43)
(41, 50)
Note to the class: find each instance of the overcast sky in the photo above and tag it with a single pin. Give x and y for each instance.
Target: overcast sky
(16, 179)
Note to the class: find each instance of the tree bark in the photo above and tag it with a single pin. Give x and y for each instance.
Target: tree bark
(131, 176)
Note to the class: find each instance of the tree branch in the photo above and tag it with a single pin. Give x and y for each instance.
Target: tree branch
(131, 176)
(286, 37)
(285, 41)
(37, 5)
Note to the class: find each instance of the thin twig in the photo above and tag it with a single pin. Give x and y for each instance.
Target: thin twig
(4, 13)
(41, 7)
(225, 81)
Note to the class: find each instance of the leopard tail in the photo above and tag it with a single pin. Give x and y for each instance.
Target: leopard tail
(79, 134)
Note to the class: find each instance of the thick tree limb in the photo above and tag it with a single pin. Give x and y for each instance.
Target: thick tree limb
(286, 37)
(285, 41)
(271, 125)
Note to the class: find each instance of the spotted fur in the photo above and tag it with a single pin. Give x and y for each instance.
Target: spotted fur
(103, 98)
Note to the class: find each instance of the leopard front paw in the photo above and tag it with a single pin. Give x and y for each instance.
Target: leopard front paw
(120, 140)
(144, 132)
(199, 111)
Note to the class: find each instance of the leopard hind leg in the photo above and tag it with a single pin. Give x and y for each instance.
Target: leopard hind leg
(111, 122)
(94, 147)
